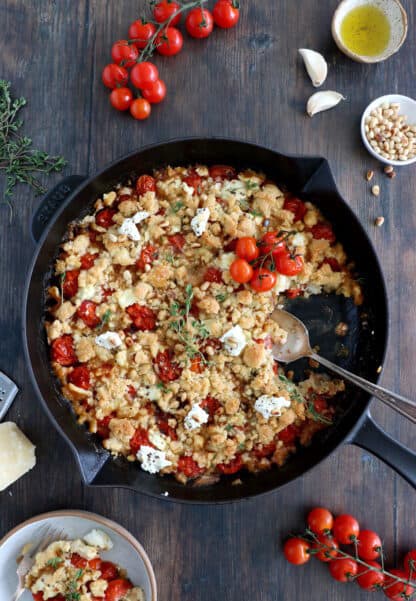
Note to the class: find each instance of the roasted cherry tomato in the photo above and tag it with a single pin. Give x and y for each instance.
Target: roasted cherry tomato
(169, 41)
(369, 545)
(139, 438)
(296, 551)
(231, 246)
(263, 280)
(108, 570)
(145, 183)
(289, 434)
(212, 274)
(327, 548)
(143, 74)
(148, 254)
(166, 369)
(323, 231)
(225, 14)
(88, 260)
(38, 597)
(80, 376)
(155, 92)
(320, 404)
(121, 98)
(343, 570)
(141, 33)
(95, 563)
(62, 350)
(410, 563)
(210, 405)
(346, 529)
(232, 467)
(70, 283)
(87, 312)
(144, 318)
(124, 54)
(189, 467)
(370, 580)
(333, 263)
(397, 591)
(294, 292)
(295, 206)
(246, 248)
(196, 365)
(164, 427)
(199, 23)
(193, 179)
(272, 243)
(117, 589)
(320, 520)
(164, 10)
(177, 242)
(78, 561)
(140, 109)
(103, 426)
(104, 218)
(241, 271)
(114, 75)
(286, 264)
(264, 450)
(219, 172)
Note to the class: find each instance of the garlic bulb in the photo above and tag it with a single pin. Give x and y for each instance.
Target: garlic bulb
(322, 101)
(316, 66)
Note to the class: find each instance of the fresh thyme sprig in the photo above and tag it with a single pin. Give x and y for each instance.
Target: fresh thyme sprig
(184, 325)
(72, 593)
(54, 562)
(18, 160)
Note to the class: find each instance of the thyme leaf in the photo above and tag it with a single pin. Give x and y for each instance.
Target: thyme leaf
(54, 562)
(292, 389)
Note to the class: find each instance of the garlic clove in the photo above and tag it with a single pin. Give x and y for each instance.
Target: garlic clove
(316, 66)
(322, 101)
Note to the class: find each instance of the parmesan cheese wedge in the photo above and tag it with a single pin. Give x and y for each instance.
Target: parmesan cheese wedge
(17, 454)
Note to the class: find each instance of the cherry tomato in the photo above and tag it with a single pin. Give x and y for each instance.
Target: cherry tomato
(326, 554)
(346, 529)
(287, 264)
(213, 274)
(144, 74)
(164, 10)
(241, 271)
(145, 183)
(397, 591)
(88, 260)
(196, 365)
(139, 438)
(95, 563)
(232, 467)
(263, 280)
(320, 520)
(369, 545)
(80, 376)
(144, 318)
(141, 33)
(289, 434)
(272, 243)
(225, 14)
(117, 589)
(148, 254)
(343, 569)
(121, 98)
(70, 283)
(410, 563)
(114, 75)
(320, 404)
(323, 231)
(166, 369)
(264, 450)
(199, 23)
(62, 350)
(295, 206)
(193, 179)
(155, 92)
(108, 570)
(189, 467)
(87, 312)
(210, 405)
(296, 551)
(103, 426)
(231, 246)
(177, 241)
(333, 263)
(124, 54)
(140, 109)
(169, 41)
(166, 429)
(219, 172)
(294, 292)
(104, 218)
(246, 248)
(370, 580)
(78, 561)
(38, 597)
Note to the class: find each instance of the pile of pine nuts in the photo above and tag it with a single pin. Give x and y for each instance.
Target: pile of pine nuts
(389, 134)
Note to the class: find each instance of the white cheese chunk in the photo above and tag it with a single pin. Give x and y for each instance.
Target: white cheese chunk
(225, 260)
(87, 292)
(85, 550)
(195, 418)
(299, 239)
(17, 454)
(200, 221)
(129, 229)
(271, 406)
(234, 341)
(234, 189)
(158, 440)
(140, 216)
(125, 298)
(189, 190)
(283, 283)
(109, 340)
(152, 460)
(98, 538)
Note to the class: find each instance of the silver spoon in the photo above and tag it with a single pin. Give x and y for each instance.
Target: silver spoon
(298, 345)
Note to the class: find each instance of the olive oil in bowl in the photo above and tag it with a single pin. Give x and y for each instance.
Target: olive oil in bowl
(366, 30)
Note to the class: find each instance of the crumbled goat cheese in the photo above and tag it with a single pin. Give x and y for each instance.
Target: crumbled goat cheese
(200, 221)
(140, 216)
(129, 229)
(270, 406)
(109, 340)
(234, 341)
(196, 418)
(152, 460)
(99, 539)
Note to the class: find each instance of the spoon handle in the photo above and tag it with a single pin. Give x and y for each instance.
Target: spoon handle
(397, 402)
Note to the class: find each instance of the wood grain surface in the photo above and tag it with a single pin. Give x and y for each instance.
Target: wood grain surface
(247, 83)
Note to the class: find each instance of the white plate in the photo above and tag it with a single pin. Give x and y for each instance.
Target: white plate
(126, 552)
(407, 107)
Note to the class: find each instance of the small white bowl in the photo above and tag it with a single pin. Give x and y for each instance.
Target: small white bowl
(396, 15)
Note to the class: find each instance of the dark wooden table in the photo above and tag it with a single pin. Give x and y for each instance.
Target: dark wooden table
(247, 83)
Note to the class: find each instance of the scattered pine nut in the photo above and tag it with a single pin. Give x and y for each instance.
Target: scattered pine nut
(379, 221)
(391, 174)
(375, 190)
(388, 169)
(369, 175)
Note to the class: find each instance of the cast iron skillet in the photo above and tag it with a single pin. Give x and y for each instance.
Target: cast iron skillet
(309, 178)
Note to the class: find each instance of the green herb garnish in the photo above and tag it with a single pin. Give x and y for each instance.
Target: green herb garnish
(292, 389)
(105, 319)
(183, 324)
(72, 594)
(317, 416)
(221, 297)
(250, 185)
(255, 213)
(54, 562)
(170, 258)
(177, 206)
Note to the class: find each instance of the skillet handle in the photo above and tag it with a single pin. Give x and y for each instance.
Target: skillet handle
(372, 438)
(51, 201)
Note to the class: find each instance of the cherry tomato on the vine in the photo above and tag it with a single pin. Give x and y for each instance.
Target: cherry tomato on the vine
(121, 98)
(343, 569)
(246, 248)
(397, 591)
(369, 545)
(124, 54)
(346, 529)
(169, 41)
(155, 92)
(114, 75)
(286, 264)
(141, 32)
(144, 74)
(327, 548)
(320, 520)
(296, 551)
(140, 109)
(225, 14)
(241, 271)
(370, 580)
(410, 563)
(272, 243)
(199, 23)
(263, 280)
(164, 10)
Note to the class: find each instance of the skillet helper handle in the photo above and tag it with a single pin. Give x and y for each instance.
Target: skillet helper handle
(51, 201)
(372, 438)
(404, 406)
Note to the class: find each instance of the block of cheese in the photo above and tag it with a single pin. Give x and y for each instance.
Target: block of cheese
(17, 454)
